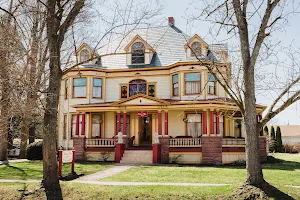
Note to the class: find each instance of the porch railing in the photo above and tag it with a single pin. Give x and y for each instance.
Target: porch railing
(99, 142)
(184, 142)
(233, 141)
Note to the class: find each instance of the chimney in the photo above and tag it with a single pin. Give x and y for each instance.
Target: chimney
(171, 21)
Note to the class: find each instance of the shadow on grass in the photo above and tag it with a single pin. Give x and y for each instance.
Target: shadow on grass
(274, 192)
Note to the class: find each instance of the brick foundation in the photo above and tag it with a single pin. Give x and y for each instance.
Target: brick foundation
(212, 150)
(164, 142)
(263, 148)
(78, 144)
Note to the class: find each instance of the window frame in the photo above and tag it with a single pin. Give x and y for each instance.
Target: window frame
(67, 88)
(174, 84)
(200, 85)
(194, 49)
(65, 125)
(215, 85)
(186, 123)
(73, 87)
(101, 125)
(86, 56)
(101, 95)
(136, 56)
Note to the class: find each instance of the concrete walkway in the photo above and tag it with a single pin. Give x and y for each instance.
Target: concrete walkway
(105, 173)
(13, 161)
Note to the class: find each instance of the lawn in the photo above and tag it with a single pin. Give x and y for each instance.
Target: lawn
(34, 169)
(83, 191)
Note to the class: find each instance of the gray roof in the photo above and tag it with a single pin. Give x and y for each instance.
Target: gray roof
(167, 41)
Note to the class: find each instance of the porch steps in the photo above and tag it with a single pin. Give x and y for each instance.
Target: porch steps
(137, 157)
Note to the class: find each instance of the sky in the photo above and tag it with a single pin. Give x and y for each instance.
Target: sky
(181, 9)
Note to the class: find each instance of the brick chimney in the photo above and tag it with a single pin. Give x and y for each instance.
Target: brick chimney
(171, 21)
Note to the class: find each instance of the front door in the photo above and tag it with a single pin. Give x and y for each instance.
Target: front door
(145, 130)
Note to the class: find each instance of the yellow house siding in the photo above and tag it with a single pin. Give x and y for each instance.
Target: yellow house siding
(176, 123)
(109, 130)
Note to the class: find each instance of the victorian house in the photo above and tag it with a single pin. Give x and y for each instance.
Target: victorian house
(146, 84)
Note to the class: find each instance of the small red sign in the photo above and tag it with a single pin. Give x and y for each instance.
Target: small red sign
(142, 114)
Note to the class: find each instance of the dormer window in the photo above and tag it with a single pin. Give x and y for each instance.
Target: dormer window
(196, 49)
(84, 55)
(138, 53)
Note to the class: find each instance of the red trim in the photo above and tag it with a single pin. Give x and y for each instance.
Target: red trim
(118, 123)
(185, 149)
(124, 123)
(59, 163)
(83, 124)
(233, 149)
(204, 127)
(166, 123)
(212, 128)
(159, 123)
(73, 161)
(217, 123)
(77, 125)
(100, 149)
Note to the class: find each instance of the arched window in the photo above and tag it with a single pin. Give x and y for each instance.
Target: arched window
(196, 49)
(138, 53)
(84, 55)
(137, 86)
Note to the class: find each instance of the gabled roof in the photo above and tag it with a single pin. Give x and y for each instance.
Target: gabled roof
(140, 96)
(82, 46)
(137, 37)
(192, 39)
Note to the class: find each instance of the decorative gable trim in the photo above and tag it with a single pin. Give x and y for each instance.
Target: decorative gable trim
(137, 37)
(160, 101)
(85, 46)
(195, 37)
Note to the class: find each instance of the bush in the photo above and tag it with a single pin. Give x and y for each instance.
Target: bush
(35, 151)
(278, 139)
(291, 147)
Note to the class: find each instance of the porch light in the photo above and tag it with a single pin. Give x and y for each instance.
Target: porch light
(185, 120)
(147, 120)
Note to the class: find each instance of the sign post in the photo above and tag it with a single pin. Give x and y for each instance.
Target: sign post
(60, 162)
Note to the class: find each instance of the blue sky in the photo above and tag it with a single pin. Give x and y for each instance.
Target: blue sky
(179, 9)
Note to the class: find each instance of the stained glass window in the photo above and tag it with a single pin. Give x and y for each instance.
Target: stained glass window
(137, 86)
(124, 91)
(84, 55)
(151, 90)
(196, 49)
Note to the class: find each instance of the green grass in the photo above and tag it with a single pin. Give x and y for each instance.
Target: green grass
(34, 169)
(83, 191)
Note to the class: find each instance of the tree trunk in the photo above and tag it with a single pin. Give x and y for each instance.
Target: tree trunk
(24, 137)
(50, 178)
(253, 165)
(32, 133)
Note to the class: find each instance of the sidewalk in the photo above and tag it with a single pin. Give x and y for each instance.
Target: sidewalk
(13, 161)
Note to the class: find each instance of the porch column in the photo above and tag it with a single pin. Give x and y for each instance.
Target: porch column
(204, 127)
(159, 122)
(212, 125)
(166, 123)
(83, 124)
(118, 122)
(124, 122)
(217, 123)
(77, 125)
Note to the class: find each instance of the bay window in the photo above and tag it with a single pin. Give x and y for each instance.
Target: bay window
(79, 87)
(192, 83)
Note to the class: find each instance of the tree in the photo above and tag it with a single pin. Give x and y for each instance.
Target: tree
(266, 130)
(60, 16)
(272, 143)
(278, 140)
(237, 17)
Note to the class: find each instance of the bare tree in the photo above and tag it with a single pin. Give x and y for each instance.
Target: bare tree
(235, 17)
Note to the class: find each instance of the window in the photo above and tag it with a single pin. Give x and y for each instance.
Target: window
(221, 124)
(124, 91)
(84, 55)
(137, 86)
(192, 83)
(65, 134)
(79, 87)
(96, 125)
(196, 49)
(138, 53)
(175, 85)
(194, 125)
(66, 88)
(97, 88)
(151, 90)
(73, 128)
(211, 84)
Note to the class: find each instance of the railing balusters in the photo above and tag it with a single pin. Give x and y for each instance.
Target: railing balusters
(185, 142)
(99, 142)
